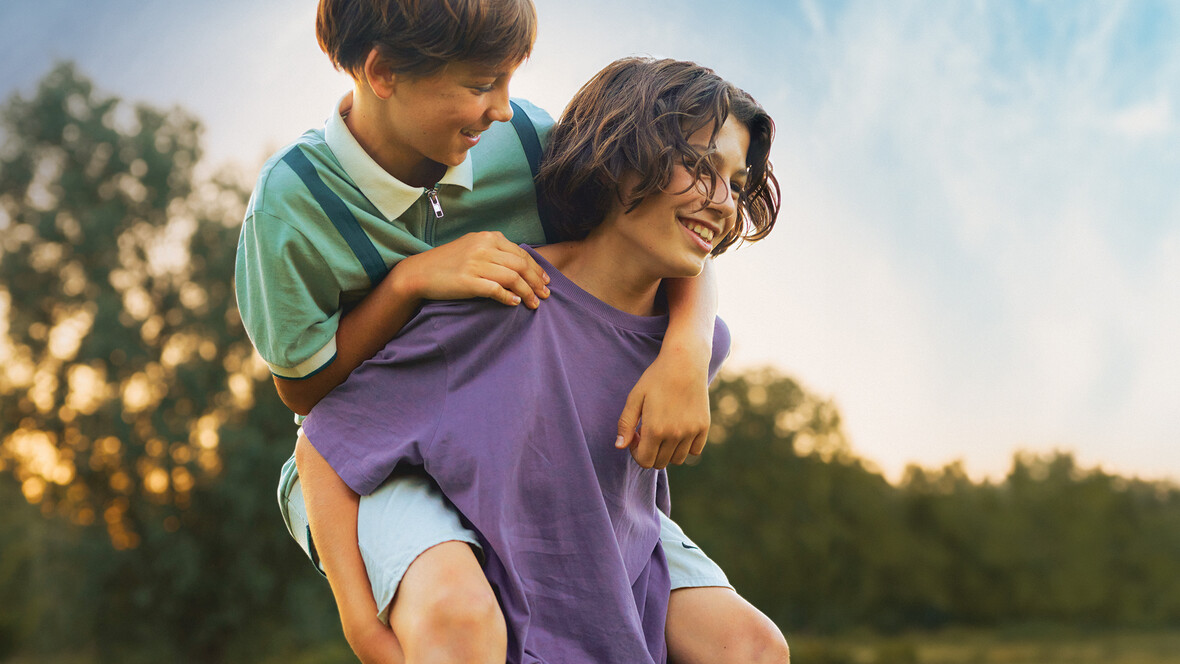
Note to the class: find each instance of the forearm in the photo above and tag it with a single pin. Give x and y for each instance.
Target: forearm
(361, 333)
(692, 313)
(671, 398)
(332, 516)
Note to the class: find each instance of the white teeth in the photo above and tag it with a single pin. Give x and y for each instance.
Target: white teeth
(704, 232)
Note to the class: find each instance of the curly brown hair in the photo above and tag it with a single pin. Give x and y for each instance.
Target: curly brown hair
(418, 37)
(635, 116)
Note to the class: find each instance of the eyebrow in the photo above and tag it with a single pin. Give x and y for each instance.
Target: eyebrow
(482, 71)
(743, 172)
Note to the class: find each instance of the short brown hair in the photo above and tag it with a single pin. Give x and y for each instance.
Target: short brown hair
(418, 37)
(636, 116)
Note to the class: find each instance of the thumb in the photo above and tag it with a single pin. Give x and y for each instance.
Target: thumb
(629, 420)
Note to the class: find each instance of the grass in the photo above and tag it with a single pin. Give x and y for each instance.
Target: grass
(1024, 646)
(1007, 646)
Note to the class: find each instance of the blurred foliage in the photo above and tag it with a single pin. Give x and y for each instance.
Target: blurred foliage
(133, 407)
(821, 542)
(140, 443)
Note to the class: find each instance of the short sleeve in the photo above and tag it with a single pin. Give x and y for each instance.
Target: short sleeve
(386, 412)
(287, 297)
(722, 341)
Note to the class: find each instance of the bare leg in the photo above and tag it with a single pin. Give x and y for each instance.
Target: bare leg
(446, 610)
(332, 516)
(716, 626)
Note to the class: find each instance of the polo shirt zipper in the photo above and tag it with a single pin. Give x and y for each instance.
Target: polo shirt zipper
(432, 196)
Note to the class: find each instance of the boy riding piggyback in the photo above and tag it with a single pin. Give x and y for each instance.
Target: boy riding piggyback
(419, 188)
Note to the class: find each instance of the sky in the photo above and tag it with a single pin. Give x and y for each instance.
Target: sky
(979, 247)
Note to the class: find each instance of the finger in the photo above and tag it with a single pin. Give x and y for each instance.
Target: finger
(511, 281)
(682, 452)
(629, 419)
(646, 449)
(535, 274)
(644, 453)
(698, 444)
(666, 451)
(520, 261)
(494, 291)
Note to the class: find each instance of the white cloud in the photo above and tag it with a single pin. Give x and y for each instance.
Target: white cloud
(1146, 120)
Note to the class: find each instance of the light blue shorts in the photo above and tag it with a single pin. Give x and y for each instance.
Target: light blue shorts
(408, 514)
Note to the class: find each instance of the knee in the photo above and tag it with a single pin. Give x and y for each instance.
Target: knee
(464, 609)
(757, 641)
(461, 624)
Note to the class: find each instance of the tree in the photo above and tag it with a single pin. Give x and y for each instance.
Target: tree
(132, 400)
(818, 540)
(781, 503)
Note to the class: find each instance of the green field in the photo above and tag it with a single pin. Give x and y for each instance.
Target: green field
(1012, 646)
(990, 647)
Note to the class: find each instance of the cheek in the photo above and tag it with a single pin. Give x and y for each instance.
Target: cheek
(682, 182)
(465, 107)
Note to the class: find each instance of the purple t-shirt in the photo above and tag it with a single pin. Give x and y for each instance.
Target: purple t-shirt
(514, 413)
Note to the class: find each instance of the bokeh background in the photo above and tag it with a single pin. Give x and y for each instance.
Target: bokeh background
(948, 427)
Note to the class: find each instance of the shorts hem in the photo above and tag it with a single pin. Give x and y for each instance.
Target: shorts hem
(702, 582)
(395, 573)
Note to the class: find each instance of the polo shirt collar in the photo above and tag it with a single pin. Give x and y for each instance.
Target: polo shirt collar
(391, 196)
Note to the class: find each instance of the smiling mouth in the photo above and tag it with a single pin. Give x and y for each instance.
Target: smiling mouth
(470, 133)
(702, 231)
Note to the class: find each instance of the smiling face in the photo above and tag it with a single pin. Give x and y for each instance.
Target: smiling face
(439, 118)
(674, 231)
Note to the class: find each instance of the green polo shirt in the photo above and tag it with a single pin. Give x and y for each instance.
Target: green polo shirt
(302, 258)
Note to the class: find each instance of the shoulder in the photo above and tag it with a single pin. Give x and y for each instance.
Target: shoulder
(475, 326)
(284, 175)
(284, 215)
(540, 120)
(537, 115)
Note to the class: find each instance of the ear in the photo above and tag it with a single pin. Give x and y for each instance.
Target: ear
(379, 75)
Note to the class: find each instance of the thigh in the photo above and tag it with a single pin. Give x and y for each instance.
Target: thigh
(688, 566)
(398, 524)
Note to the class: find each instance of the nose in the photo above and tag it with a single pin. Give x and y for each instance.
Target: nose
(500, 109)
(725, 203)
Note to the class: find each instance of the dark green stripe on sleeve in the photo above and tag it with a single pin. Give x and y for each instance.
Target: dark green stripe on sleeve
(339, 214)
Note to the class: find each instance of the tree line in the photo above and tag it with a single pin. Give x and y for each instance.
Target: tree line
(140, 442)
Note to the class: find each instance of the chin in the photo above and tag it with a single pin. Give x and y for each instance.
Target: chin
(450, 157)
(687, 270)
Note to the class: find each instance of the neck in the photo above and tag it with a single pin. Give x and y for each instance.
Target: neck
(602, 266)
(369, 124)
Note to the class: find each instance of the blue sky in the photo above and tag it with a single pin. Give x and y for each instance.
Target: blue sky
(980, 243)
